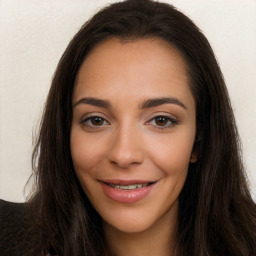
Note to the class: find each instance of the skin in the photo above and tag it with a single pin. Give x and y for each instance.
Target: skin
(131, 142)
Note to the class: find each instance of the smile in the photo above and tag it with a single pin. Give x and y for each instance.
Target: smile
(128, 187)
(127, 191)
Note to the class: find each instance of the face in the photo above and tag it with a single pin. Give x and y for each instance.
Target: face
(133, 131)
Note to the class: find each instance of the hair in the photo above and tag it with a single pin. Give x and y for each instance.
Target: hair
(217, 215)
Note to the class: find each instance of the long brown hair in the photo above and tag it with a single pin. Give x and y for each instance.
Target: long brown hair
(216, 213)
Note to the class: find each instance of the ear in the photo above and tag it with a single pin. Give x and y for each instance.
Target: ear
(193, 157)
(194, 154)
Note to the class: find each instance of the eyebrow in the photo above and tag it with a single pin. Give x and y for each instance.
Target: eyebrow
(160, 101)
(145, 104)
(94, 101)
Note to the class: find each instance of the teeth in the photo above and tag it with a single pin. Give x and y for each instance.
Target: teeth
(128, 187)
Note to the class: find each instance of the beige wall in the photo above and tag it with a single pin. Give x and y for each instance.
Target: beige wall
(34, 34)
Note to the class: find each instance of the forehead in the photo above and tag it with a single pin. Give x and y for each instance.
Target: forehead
(146, 66)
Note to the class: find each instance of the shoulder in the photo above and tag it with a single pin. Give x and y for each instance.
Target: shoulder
(18, 235)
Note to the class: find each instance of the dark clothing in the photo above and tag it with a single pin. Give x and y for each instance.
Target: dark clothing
(17, 235)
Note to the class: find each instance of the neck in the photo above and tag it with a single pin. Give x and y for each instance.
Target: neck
(157, 240)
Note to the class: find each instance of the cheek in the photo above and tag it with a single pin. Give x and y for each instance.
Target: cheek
(172, 153)
(86, 152)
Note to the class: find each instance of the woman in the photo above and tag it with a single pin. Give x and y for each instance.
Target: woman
(138, 143)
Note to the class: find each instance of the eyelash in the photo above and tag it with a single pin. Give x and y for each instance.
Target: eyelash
(88, 122)
(171, 122)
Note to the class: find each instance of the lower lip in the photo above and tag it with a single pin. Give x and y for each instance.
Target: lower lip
(126, 196)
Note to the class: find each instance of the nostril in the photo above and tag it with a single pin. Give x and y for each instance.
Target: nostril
(113, 162)
(123, 155)
(123, 164)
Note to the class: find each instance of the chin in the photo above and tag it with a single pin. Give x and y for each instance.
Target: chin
(140, 219)
(129, 226)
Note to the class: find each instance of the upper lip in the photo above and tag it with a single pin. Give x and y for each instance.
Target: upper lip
(126, 182)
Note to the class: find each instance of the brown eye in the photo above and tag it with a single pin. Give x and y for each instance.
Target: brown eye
(94, 121)
(161, 120)
(97, 121)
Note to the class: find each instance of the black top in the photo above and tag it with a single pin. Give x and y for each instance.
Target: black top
(17, 235)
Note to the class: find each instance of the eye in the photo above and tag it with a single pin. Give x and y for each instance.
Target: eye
(94, 121)
(163, 122)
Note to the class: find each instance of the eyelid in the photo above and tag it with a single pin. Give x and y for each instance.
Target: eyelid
(89, 116)
(172, 121)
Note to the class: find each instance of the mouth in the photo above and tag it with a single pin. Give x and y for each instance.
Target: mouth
(127, 191)
(129, 187)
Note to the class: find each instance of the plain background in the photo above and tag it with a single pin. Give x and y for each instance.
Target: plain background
(34, 34)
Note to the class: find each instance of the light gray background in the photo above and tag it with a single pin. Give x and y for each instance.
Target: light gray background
(34, 34)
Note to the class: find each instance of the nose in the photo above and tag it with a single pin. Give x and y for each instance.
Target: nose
(126, 148)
